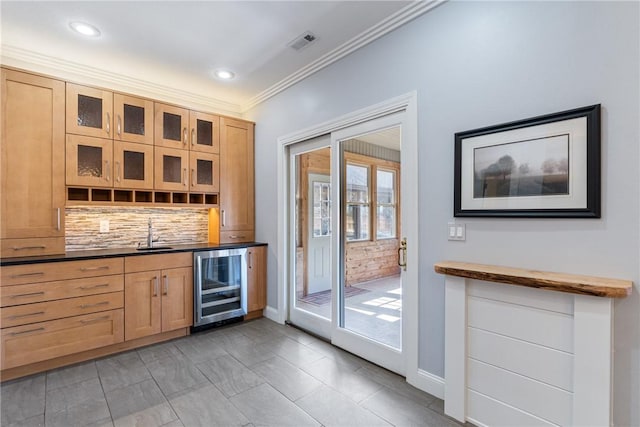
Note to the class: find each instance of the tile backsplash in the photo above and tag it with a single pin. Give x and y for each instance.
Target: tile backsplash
(128, 226)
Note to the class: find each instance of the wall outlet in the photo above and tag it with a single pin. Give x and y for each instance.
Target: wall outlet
(104, 225)
(456, 231)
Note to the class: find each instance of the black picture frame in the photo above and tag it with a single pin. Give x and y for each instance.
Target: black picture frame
(499, 170)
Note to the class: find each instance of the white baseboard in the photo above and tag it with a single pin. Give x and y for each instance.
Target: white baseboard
(427, 382)
(272, 314)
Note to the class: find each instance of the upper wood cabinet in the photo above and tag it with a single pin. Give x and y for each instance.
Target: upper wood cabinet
(89, 161)
(104, 114)
(89, 111)
(204, 172)
(132, 165)
(177, 127)
(236, 180)
(171, 126)
(32, 165)
(171, 169)
(205, 132)
(133, 119)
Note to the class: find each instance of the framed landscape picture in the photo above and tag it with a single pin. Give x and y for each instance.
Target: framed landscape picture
(546, 166)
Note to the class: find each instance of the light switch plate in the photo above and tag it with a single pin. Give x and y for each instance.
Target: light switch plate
(456, 231)
(104, 225)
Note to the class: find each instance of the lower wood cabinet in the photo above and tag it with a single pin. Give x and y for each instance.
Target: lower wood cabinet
(36, 342)
(256, 280)
(60, 308)
(158, 293)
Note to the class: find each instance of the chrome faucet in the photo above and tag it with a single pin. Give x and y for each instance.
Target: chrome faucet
(150, 238)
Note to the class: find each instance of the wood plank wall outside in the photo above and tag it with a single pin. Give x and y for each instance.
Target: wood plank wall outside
(371, 260)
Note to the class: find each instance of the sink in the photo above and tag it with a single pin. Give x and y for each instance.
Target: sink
(155, 248)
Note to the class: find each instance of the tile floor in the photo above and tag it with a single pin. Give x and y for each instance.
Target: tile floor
(247, 374)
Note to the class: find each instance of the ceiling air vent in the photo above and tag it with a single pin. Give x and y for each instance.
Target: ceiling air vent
(303, 40)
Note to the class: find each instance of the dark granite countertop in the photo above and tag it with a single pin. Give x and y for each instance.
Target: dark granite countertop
(112, 253)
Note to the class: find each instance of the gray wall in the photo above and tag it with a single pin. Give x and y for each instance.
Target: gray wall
(475, 64)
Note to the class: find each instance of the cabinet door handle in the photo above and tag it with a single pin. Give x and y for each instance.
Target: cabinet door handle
(84, 288)
(223, 217)
(20, 248)
(96, 320)
(108, 123)
(119, 128)
(30, 294)
(184, 136)
(58, 224)
(94, 305)
(193, 177)
(184, 177)
(250, 259)
(117, 171)
(155, 286)
(102, 267)
(19, 316)
(193, 136)
(38, 273)
(165, 279)
(107, 175)
(13, 334)
(235, 236)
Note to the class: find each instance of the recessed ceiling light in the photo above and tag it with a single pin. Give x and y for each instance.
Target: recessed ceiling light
(84, 29)
(224, 74)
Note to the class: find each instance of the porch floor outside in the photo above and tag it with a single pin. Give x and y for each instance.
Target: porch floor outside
(375, 313)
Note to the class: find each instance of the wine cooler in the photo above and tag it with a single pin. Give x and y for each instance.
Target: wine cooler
(220, 280)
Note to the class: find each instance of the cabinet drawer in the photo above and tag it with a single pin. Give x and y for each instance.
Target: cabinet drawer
(11, 248)
(43, 311)
(46, 272)
(39, 292)
(134, 264)
(27, 344)
(237, 236)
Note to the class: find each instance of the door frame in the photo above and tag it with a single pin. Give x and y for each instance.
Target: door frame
(408, 103)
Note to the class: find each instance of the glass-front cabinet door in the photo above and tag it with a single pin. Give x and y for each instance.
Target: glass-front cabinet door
(89, 111)
(205, 132)
(89, 161)
(133, 119)
(171, 125)
(204, 170)
(171, 169)
(132, 165)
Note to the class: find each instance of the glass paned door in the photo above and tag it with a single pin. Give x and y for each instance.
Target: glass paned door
(370, 283)
(361, 224)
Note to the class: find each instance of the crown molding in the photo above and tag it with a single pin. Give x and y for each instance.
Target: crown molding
(14, 56)
(394, 21)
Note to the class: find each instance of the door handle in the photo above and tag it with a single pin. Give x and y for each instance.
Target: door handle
(402, 254)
